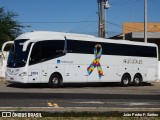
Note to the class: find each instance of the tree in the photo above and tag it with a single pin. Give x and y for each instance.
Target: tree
(9, 27)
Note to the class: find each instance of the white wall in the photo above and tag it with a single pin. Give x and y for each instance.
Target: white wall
(159, 71)
(3, 63)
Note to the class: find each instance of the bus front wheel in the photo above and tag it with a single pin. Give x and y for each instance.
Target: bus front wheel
(126, 79)
(55, 81)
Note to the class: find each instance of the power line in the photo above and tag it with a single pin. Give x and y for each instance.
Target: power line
(122, 26)
(87, 21)
(124, 2)
(79, 22)
(88, 17)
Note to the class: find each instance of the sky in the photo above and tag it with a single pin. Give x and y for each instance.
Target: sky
(79, 16)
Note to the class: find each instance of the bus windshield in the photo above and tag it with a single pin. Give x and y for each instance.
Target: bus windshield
(17, 57)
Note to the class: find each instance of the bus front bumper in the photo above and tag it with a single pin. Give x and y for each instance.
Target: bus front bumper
(15, 78)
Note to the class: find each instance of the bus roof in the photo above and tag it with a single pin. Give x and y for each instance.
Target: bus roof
(48, 35)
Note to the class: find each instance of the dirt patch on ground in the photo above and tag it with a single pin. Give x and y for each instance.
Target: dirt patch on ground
(2, 79)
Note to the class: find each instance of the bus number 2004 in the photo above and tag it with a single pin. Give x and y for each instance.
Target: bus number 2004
(34, 73)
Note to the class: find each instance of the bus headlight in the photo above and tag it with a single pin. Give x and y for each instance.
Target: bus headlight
(23, 74)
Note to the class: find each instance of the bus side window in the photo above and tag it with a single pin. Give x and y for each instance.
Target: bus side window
(46, 50)
(35, 54)
(51, 49)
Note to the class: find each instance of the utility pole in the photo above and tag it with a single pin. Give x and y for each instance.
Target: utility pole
(102, 6)
(100, 24)
(145, 21)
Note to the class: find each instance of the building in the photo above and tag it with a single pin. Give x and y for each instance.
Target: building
(134, 31)
(129, 27)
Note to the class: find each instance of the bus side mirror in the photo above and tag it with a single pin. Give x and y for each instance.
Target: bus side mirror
(25, 46)
(4, 44)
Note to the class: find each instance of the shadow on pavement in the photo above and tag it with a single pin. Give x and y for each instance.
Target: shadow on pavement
(72, 85)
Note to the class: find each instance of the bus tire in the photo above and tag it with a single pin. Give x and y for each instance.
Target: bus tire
(126, 80)
(137, 80)
(55, 81)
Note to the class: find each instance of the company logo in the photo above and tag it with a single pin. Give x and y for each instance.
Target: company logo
(6, 114)
(64, 62)
(58, 61)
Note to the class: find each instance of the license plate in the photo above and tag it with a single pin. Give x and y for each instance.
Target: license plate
(11, 78)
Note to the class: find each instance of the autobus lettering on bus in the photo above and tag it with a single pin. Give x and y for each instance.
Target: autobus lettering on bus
(133, 61)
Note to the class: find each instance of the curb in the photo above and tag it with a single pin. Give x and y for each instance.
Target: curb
(156, 83)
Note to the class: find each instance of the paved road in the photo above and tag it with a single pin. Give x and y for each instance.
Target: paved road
(108, 88)
(78, 100)
(83, 96)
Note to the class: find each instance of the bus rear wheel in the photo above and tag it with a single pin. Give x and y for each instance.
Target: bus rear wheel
(55, 81)
(125, 81)
(137, 81)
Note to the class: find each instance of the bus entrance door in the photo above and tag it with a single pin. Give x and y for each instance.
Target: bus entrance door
(44, 74)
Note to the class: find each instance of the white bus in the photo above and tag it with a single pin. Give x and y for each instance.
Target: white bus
(57, 58)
